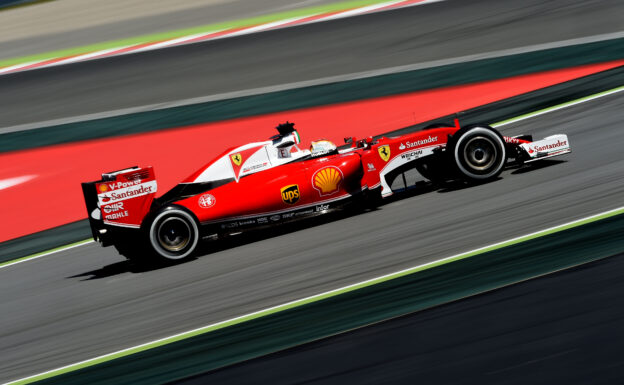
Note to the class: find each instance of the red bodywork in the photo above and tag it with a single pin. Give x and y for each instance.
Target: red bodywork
(264, 192)
(280, 189)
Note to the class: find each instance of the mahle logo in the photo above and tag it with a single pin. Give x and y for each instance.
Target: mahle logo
(290, 194)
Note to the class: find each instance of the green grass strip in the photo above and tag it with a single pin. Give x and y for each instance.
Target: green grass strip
(315, 298)
(161, 36)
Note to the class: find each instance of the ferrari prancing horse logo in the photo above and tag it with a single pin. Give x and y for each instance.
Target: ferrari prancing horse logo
(384, 152)
(237, 159)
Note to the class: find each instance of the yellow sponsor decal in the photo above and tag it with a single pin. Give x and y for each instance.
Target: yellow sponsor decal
(327, 180)
(290, 194)
(384, 152)
(237, 159)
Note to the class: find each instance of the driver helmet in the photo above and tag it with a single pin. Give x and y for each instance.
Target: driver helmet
(323, 147)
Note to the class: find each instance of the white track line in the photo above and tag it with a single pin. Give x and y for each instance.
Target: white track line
(46, 253)
(86, 56)
(264, 27)
(10, 182)
(16, 67)
(559, 107)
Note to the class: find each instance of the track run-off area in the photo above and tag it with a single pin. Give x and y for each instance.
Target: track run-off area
(86, 301)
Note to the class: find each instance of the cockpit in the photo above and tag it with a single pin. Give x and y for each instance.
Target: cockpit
(250, 158)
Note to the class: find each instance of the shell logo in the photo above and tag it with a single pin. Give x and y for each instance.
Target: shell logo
(327, 180)
(103, 188)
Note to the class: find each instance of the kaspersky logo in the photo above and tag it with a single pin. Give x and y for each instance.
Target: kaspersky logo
(290, 194)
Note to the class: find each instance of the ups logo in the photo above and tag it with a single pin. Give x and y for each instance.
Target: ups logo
(290, 194)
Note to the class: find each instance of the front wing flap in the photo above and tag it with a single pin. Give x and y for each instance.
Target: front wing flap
(548, 147)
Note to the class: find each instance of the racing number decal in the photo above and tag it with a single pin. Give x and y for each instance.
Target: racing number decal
(290, 194)
(384, 152)
(237, 159)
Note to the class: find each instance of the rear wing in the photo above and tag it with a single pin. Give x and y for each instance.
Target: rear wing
(121, 199)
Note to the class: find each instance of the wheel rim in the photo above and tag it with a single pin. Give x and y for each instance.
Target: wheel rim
(480, 153)
(174, 234)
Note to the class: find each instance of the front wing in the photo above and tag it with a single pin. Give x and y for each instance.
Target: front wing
(546, 148)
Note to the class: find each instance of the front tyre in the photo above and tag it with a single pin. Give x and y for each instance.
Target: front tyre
(173, 234)
(478, 153)
(433, 168)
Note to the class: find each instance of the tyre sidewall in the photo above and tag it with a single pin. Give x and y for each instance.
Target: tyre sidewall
(159, 217)
(460, 140)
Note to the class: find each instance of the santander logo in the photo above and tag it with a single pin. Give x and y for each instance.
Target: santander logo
(134, 191)
(547, 147)
(418, 143)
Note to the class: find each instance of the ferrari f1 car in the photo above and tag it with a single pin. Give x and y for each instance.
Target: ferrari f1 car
(267, 183)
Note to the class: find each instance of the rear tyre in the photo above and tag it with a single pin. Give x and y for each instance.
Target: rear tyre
(478, 153)
(173, 234)
(128, 249)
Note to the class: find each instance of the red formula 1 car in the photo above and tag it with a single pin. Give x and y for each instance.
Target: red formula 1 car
(267, 183)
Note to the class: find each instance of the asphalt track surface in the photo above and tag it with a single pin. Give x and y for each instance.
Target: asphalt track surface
(87, 301)
(564, 328)
(437, 31)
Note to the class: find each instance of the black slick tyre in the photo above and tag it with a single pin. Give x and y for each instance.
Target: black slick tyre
(477, 152)
(131, 244)
(433, 167)
(173, 234)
